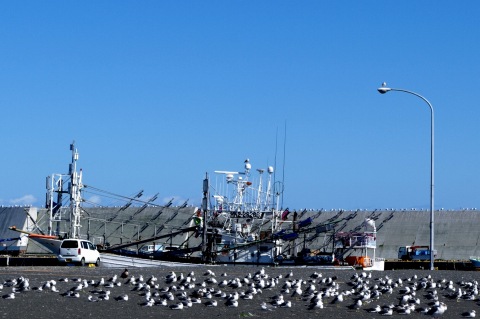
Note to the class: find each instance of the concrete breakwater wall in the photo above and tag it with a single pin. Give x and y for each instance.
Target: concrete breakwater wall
(457, 232)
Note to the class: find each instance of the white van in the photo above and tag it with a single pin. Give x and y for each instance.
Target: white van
(78, 251)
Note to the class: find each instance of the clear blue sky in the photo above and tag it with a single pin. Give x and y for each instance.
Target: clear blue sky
(158, 93)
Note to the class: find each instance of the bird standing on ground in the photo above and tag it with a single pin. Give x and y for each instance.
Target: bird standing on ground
(469, 314)
(124, 274)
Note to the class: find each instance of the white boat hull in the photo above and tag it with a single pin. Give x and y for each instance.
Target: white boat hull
(51, 244)
(118, 261)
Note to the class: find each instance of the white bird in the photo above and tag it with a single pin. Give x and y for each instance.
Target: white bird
(437, 310)
(357, 305)
(9, 296)
(209, 273)
(211, 303)
(264, 306)
(469, 314)
(148, 303)
(377, 308)
(162, 302)
(231, 303)
(338, 299)
(405, 311)
(318, 304)
(178, 306)
(123, 297)
(386, 312)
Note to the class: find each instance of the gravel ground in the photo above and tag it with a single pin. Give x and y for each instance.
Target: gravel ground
(46, 303)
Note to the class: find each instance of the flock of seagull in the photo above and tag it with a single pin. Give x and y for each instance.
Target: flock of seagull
(361, 292)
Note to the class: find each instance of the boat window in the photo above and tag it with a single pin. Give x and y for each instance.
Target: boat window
(69, 244)
(264, 249)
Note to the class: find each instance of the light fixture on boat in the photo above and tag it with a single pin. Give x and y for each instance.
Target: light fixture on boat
(248, 166)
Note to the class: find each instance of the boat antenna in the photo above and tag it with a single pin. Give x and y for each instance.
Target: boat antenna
(283, 168)
(275, 159)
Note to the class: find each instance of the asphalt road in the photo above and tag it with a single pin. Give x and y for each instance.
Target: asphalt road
(30, 302)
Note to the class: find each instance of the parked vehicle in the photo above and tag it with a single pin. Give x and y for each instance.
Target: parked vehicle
(151, 249)
(78, 251)
(415, 253)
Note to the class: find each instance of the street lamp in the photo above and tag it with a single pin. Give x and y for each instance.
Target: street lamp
(384, 89)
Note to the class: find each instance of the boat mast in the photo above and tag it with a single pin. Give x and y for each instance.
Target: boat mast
(268, 195)
(75, 194)
(204, 224)
(258, 203)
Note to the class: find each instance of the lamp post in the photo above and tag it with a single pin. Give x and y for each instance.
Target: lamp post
(384, 89)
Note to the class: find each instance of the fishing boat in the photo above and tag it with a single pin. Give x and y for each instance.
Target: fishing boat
(244, 224)
(53, 239)
(240, 221)
(358, 249)
(241, 218)
(475, 260)
(51, 242)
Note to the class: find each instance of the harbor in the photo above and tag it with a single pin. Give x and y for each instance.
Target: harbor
(239, 222)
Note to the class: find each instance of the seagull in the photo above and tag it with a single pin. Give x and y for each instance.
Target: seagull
(377, 308)
(123, 297)
(211, 303)
(469, 314)
(209, 273)
(77, 288)
(264, 306)
(231, 303)
(9, 296)
(187, 303)
(338, 299)
(162, 302)
(104, 296)
(386, 312)
(357, 305)
(178, 306)
(149, 303)
(72, 294)
(318, 304)
(436, 311)
(405, 311)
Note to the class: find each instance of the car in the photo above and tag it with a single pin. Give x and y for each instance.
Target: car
(78, 251)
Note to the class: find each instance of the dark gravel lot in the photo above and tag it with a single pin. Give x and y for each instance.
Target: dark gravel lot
(46, 303)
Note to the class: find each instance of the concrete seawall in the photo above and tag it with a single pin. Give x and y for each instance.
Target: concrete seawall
(457, 232)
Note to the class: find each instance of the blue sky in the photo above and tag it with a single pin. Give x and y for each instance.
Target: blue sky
(158, 93)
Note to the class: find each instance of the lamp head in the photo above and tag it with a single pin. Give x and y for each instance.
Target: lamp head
(384, 89)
